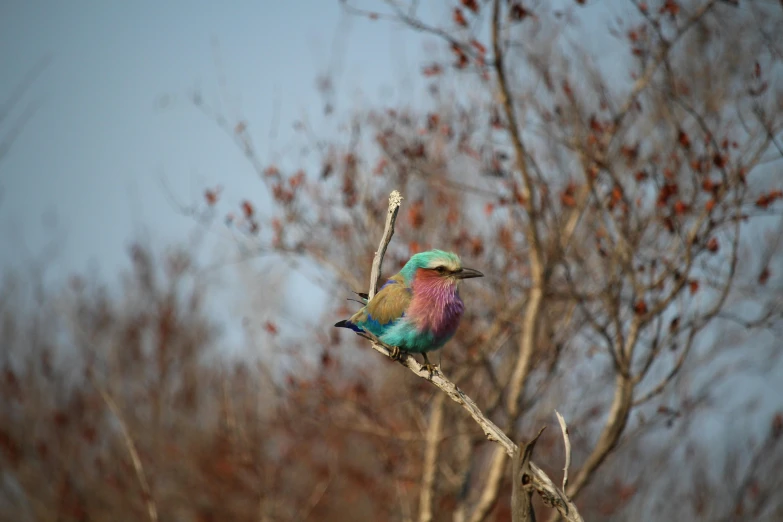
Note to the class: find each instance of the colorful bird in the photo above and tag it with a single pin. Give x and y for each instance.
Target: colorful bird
(419, 309)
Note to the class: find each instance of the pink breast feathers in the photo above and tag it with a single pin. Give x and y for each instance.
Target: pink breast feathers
(436, 306)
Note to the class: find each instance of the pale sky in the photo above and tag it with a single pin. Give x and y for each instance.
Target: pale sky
(90, 166)
(95, 154)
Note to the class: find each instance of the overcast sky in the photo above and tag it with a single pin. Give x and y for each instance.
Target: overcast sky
(113, 120)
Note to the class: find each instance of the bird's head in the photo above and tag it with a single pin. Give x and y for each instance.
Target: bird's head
(445, 266)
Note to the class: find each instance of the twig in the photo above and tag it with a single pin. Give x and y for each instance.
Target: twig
(660, 56)
(152, 509)
(319, 491)
(521, 489)
(410, 19)
(567, 443)
(619, 412)
(395, 200)
(26, 83)
(540, 481)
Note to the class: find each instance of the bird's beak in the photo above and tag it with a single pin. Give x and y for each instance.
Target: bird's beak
(467, 273)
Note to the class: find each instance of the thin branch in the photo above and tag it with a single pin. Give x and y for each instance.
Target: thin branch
(567, 443)
(152, 510)
(504, 93)
(646, 77)
(410, 20)
(615, 425)
(762, 452)
(431, 459)
(658, 388)
(319, 491)
(16, 127)
(24, 85)
(492, 483)
(395, 200)
(706, 318)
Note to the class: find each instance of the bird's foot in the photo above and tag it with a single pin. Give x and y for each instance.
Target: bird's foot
(431, 368)
(395, 353)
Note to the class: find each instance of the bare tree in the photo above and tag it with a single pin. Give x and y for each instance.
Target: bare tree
(619, 211)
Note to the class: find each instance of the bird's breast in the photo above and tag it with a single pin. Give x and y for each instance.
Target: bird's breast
(438, 313)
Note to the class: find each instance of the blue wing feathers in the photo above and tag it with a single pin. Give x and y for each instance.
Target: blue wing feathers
(387, 283)
(348, 324)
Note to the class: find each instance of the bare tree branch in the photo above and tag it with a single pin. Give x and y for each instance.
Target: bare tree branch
(395, 200)
(567, 444)
(535, 298)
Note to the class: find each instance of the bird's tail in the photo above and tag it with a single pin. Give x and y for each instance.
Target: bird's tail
(348, 324)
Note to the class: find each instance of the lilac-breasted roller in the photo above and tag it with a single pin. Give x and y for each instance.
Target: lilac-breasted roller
(419, 309)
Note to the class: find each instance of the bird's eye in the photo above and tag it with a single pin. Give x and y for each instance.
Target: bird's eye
(441, 269)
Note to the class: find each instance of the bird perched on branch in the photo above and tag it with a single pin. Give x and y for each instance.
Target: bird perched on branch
(419, 309)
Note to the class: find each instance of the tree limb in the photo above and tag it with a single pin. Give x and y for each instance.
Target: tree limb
(431, 459)
(530, 317)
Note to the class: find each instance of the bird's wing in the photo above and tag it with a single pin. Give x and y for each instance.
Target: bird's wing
(386, 306)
